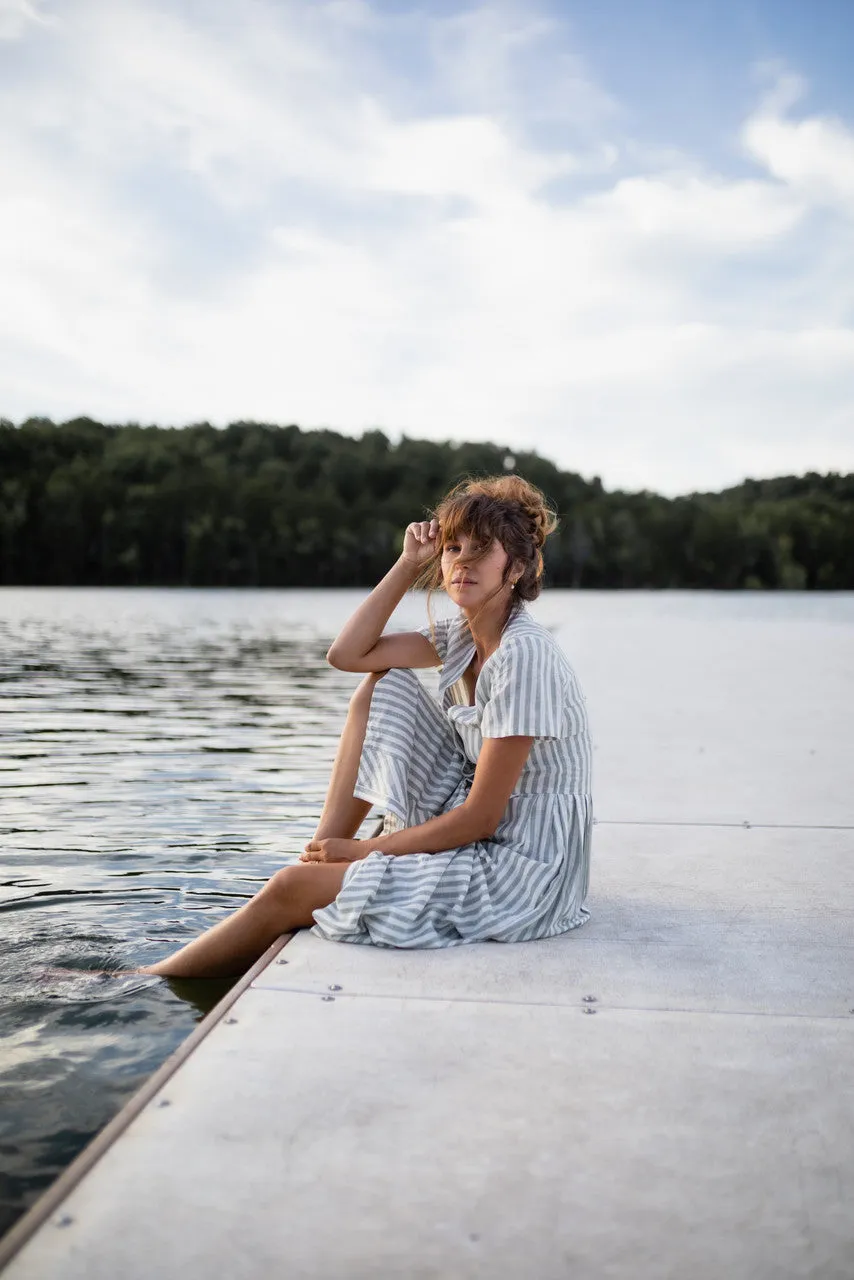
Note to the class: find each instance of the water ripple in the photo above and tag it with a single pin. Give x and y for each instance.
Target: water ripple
(157, 764)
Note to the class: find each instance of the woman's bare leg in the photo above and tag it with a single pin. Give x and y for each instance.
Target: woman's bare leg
(343, 813)
(288, 899)
(285, 903)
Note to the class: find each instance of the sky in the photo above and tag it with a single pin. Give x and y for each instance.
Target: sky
(620, 233)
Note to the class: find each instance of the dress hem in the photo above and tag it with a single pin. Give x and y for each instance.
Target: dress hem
(363, 937)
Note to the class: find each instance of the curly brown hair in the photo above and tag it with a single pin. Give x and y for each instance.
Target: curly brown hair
(504, 507)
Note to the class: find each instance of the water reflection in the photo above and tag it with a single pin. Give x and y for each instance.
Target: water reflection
(155, 769)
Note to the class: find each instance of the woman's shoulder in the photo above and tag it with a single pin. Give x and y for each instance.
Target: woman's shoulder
(531, 655)
(524, 634)
(525, 683)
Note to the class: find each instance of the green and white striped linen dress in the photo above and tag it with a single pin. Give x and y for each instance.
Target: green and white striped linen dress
(530, 879)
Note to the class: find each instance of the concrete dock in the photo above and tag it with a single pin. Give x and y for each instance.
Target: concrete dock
(667, 1092)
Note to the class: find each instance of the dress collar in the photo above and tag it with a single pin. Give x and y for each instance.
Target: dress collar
(461, 648)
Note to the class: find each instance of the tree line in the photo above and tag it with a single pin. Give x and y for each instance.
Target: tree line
(253, 504)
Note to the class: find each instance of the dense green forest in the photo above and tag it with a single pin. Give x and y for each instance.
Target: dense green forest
(258, 505)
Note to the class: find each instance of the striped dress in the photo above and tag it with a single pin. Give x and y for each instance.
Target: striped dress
(530, 879)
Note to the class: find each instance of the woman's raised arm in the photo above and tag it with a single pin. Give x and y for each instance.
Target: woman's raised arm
(361, 645)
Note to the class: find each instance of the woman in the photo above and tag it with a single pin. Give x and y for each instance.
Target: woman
(487, 797)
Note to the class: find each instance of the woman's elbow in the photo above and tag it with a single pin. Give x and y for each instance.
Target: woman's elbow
(485, 823)
(340, 660)
(332, 657)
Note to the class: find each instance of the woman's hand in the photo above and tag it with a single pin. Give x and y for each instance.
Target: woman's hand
(419, 541)
(335, 850)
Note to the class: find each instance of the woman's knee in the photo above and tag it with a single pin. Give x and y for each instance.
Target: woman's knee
(398, 678)
(394, 677)
(282, 883)
(292, 879)
(304, 884)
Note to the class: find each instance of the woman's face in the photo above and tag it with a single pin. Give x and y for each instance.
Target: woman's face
(470, 581)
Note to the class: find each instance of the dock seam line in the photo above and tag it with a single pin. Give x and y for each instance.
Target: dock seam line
(738, 826)
(553, 1004)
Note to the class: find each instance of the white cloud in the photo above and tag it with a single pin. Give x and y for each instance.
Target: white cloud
(513, 61)
(699, 210)
(269, 213)
(814, 156)
(465, 156)
(16, 16)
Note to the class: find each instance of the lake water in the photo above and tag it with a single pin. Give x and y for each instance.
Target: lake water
(163, 752)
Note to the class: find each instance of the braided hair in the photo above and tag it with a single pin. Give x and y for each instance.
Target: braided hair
(504, 507)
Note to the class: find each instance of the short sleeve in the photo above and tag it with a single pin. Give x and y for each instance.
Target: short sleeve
(438, 636)
(527, 691)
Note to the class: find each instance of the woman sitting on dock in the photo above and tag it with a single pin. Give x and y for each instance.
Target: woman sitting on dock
(488, 812)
